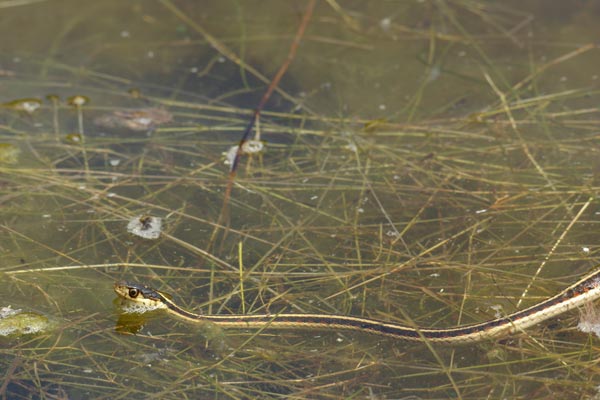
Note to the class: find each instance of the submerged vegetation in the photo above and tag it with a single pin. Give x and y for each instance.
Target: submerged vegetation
(431, 163)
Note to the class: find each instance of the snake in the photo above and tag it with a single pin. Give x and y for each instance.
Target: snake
(581, 292)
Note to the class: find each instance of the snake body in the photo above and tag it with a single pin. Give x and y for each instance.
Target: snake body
(585, 290)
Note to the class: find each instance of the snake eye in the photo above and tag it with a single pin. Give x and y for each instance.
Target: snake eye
(133, 293)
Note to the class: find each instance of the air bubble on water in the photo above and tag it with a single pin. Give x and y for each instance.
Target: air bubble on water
(385, 24)
(8, 311)
(230, 155)
(129, 307)
(351, 147)
(434, 73)
(497, 310)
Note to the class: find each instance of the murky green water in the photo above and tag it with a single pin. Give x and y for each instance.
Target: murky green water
(425, 162)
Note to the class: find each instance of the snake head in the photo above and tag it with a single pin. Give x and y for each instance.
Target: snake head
(138, 293)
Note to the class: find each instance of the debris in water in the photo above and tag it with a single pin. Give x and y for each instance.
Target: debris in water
(73, 138)
(78, 100)
(140, 120)
(145, 226)
(249, 147)
(28, 106)
(589, 319)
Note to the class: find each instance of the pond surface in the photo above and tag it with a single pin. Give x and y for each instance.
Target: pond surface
(426, 163)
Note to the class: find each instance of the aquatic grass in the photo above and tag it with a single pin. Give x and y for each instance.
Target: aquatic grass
(424, 213)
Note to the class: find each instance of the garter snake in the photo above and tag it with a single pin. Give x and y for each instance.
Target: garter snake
(583, 291)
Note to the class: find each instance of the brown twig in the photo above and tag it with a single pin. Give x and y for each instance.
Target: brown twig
(263, 101)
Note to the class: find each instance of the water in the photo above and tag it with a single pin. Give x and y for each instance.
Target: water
(395, 126)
